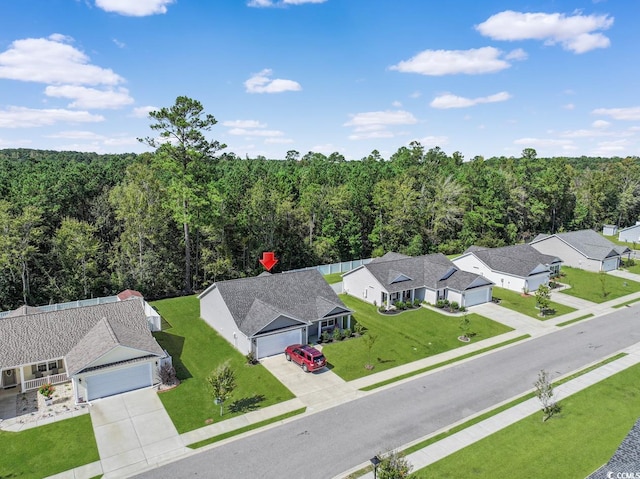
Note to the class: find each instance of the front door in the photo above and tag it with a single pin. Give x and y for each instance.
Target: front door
(8, 378)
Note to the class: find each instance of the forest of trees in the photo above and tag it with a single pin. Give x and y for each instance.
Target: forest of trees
(78, 225)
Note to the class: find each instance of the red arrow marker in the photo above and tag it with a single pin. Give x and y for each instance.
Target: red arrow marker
(268, 260)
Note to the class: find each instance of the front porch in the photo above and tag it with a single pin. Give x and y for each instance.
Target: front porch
(388, 300)
(30, 377)
(327, 325)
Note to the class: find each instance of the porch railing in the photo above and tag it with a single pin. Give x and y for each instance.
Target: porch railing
(30, 384)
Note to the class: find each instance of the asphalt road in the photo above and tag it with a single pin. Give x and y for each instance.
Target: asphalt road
(325, 444)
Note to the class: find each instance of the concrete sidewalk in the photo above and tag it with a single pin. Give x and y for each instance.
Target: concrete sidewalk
(449, 445)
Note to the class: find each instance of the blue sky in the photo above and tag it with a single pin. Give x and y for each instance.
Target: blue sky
(483, 77)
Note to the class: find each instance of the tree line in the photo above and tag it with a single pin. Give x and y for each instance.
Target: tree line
(78, 225)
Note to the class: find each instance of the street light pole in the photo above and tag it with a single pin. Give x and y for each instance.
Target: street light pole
(375, 460)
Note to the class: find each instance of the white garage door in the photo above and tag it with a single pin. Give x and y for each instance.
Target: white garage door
(609, 264)
(115, 382)
(534, 283)
(471, 298)
(275, 343)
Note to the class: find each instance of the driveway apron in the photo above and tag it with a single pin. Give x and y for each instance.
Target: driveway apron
(317, 390)
(133, 431)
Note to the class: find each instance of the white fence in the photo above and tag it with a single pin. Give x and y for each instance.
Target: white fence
(337, 267)
(70, 305)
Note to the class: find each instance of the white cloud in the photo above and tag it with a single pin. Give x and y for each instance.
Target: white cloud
(475, 61)
(381, 118)
(416, 94)
(244, 124)
(118, 43)
(607, 148)
(261, 83)
(134, 8)
(453, 101)
(433, 141)
(577, 33)
(254, 132)
(272, 3)
(600, 124)
(90, 98)
(143, 111)
(374, 124)
(371, 134)
(630, 113)
(20, 117)
(52, 60)
(569, 106)
(517, 54)
(396, 104)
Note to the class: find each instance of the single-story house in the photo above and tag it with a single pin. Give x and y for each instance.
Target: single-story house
(266, 313)
(630, 234)
(104, 349)
(518, 268)
(584, 249)
(609, 230)
(433, 277)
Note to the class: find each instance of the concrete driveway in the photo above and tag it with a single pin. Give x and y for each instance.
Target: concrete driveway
(133, 431)
(318, 390)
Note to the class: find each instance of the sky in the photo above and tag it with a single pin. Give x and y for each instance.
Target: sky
(487, 78)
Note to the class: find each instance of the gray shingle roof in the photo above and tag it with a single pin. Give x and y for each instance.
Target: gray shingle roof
(432, 270)
(629, 228)
(626, 459)
(519, 260)
(43, 336)
(255, 302)
(23, 311)
(589, 243)
(105, 336)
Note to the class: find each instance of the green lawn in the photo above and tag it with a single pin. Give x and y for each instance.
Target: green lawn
(588, 285)
(48, 450)
(197, 350)
(635, 269)
(401, 338)
(573, 444)
(333, 278)
(527, 304)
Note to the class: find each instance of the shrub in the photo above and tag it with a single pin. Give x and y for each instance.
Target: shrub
(446, 302)
(325, 336)
(416, 302)
(251, 358)
(454, 306)
(358, 328)
(168, 374)
(47, 390)
(393, 465)
(337, 334)
(462, 309)
(346, 333)
(440, 304)
(382, 308)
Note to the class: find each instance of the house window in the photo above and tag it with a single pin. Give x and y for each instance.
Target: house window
(42, 368)
(327, 324)
(53, 365)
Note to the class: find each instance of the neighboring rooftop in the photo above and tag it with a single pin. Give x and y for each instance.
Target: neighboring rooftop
(626, 459)
(589, 243)
(398, 272)
(42, 336)
(519, 260)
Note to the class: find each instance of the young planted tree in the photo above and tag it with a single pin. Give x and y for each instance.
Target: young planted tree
(465, 325)
(543, 298)
(545, 394)
(223, 382)
(603, 284)
(369, 341)
(182, 151)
